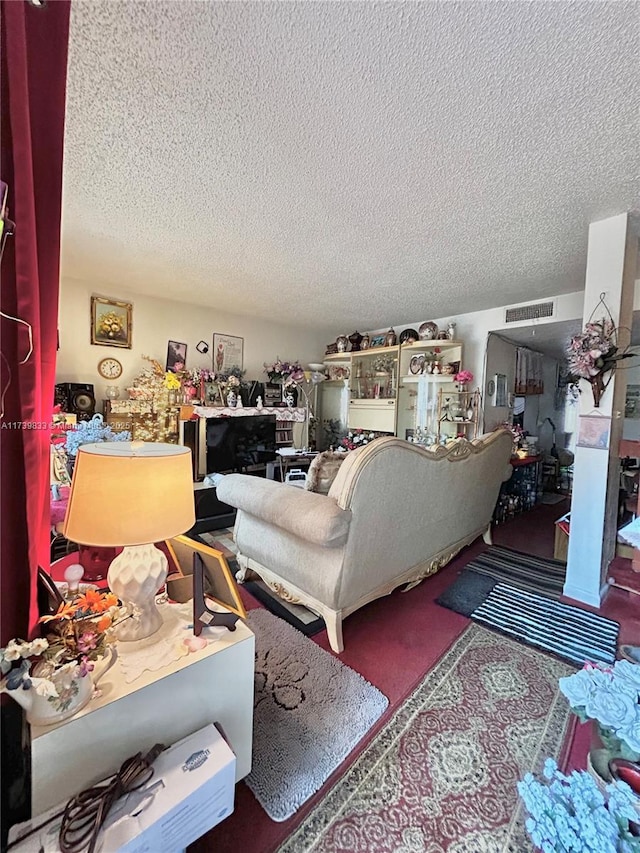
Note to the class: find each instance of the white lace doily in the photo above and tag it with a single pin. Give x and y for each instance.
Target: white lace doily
(166, 645)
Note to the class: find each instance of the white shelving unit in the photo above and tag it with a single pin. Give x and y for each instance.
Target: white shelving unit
(403, 398)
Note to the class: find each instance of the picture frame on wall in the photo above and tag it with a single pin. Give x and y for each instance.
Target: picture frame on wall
(111, 322)
(632, 402)
(228, 352)
(176, 357)
(594, 431)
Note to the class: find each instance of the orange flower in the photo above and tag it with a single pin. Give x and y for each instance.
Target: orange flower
(90, 600)
(108, 600)
(65, 611)
(104, 623)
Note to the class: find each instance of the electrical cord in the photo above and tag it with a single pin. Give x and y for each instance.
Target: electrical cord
(85, 813)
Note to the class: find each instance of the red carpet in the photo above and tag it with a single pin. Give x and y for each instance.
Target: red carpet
(393, 643)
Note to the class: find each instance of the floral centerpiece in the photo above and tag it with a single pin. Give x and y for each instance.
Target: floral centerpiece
(570, 813)
(280, 370)
(595, 352)
(79, 634)
(611, 696)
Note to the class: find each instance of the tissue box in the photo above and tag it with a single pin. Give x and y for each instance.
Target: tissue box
(191, 790)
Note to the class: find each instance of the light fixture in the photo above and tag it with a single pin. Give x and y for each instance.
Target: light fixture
(132, 494)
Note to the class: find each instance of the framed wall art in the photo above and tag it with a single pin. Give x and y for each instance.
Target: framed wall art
(377, 341)
(632, 402)
(176, 356)
(594, 431)
(228, 352)
(111, 323)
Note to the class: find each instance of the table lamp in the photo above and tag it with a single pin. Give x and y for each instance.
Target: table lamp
(132, 494)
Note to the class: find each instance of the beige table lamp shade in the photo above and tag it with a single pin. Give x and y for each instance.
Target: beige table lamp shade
(130, 493)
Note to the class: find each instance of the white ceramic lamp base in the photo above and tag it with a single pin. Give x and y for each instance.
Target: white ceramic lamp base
(135, 576)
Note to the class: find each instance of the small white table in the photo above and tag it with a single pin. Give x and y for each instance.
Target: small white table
(214, 684)
(287, 458)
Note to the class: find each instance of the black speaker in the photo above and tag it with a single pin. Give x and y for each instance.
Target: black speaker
(76, 398)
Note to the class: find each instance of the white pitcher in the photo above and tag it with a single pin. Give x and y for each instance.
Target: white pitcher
(74, 691)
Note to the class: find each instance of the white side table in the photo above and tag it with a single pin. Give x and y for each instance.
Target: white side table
(214, 684)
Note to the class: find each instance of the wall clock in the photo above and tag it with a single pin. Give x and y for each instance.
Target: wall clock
(110, 368)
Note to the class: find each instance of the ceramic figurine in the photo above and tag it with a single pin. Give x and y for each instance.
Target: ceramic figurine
(289, 400)
(231, 399)
(364, 343)
(342, 342)
(451, 331)
(390, 339)
(259, 403)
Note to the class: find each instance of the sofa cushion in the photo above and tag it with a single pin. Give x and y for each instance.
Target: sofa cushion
(315, 518)
(323, 470)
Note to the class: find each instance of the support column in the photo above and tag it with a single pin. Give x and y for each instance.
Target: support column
(611, 264)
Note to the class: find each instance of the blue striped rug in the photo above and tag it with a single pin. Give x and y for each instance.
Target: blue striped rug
(573, 634)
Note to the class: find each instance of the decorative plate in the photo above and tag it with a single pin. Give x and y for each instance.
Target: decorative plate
(428, 331)
(408, 336)
(416, 364)
(338, 372)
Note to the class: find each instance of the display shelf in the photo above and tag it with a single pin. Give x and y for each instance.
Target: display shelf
(522, 491)
(451, 402)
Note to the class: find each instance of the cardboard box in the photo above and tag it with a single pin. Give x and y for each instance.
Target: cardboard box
(561, 541)
(191, 790)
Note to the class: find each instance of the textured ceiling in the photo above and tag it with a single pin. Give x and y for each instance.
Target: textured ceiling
(346, 164)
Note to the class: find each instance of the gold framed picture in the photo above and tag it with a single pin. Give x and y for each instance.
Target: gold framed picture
(219, 584)
(111, 324)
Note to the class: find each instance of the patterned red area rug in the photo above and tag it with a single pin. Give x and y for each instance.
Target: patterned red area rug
(441, 776)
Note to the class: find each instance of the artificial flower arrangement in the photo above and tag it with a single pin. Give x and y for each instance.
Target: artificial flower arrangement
(196, 376)
(281, 370)
(88, 432)
(610, 695)
(80, 635)
(171, 381)
(355, 438)
(595, 351)
(570, 813)
(463, 377)
(383, 364)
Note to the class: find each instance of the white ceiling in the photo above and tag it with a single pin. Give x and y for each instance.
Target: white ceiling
(346, 164)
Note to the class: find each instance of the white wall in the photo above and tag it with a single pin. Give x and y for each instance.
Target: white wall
(156, 321)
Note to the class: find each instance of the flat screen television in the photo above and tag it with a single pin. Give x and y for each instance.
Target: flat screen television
(237, 443)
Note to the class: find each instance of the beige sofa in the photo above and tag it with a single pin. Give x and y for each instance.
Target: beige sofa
(395, 514)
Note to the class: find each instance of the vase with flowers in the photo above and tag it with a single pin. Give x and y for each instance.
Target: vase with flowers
(595, 353)
(462, 379)
(53, 677)
(279, 371)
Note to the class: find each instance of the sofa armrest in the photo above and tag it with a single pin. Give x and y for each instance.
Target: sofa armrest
(314, 518)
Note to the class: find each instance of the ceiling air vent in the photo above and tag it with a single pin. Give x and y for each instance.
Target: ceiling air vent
(529, 312)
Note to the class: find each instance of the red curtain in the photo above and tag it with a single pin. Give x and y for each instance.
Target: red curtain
(34, 73)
